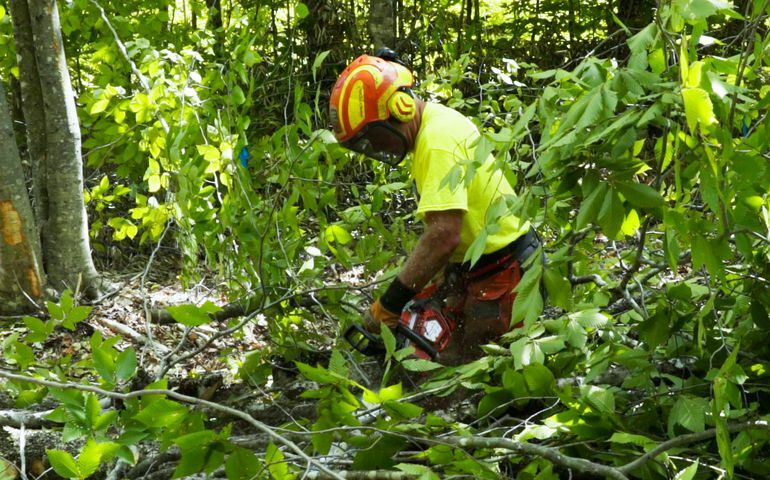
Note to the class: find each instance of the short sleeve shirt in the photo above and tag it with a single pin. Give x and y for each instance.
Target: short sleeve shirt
(444, 149)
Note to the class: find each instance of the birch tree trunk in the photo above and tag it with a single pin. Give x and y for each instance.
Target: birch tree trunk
(20, 275)
(53, 134)
(31, 106)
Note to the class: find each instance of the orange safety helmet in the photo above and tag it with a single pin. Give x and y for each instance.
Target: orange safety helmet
(367, 93)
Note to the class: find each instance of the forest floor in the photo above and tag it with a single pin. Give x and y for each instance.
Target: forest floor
(197, 362)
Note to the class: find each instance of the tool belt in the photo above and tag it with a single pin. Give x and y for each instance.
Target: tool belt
(486, 290)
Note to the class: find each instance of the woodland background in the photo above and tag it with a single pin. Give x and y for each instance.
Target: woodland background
(186, 322)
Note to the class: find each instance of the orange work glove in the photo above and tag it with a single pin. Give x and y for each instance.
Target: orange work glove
(377, 315)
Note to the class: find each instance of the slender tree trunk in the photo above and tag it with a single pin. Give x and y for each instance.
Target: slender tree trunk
(382, 23)
(20, 275)
(65, 234)
(32, 106)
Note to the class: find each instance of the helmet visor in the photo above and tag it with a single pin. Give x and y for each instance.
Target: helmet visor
(380, 141)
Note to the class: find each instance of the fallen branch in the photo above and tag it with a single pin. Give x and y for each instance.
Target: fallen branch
(19, 418)
(691, 438)
(550, 453)
(370, 475)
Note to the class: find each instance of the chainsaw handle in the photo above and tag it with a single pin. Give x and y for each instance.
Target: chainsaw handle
(419, 341)
(364, 341)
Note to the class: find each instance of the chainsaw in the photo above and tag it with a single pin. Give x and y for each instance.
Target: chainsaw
(424, 325)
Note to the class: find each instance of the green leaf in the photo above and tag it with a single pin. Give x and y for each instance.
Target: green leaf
(590, 206)
(161, 413)
(420, 471)
(591, 318)
(404, 410)
(526, 352)
(640, 194)
(250, 58)
(54, 310)
(390, 342)
(104, 363)
(688, 473)
(630, 438)
(420, 365)
(301, 10)
(528, 303)
(75, 316)
(558, 287)
(40, 330)
(318, 61)
(317, 374)
(125, 365)
(210, 152)
(539, 379)
(276, 464)
(601, 399)
(189, 315)
(698, 108)
(476, 250)
(93, 454)
(689, 412)
(337, 234)
(242, 465)
(237, 95)
(66, 301)
(63, 464)
(99, 106)
(612, 214)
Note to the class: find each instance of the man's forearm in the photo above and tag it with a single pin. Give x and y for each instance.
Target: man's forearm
(434, 249)
(424, 263)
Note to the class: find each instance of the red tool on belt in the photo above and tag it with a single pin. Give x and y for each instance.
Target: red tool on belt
(425, 324)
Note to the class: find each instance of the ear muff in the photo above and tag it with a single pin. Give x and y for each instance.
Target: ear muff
(402, 106)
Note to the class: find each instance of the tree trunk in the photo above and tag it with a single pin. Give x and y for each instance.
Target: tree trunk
(32, 106)
(382, 23)
(20, 276)
(65, 242)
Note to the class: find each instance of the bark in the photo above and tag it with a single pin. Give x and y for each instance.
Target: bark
(32, 106)
(20, 276)
(65, 234)
(382, 23)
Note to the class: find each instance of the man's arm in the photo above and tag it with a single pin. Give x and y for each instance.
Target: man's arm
(433, 251)
(434, 248)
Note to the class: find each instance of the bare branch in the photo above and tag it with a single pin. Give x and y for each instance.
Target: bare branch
(691, 438)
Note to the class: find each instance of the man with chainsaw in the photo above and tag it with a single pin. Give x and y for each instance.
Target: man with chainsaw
(374, 112)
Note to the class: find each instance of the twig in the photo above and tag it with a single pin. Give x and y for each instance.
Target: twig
(591, 278)
(182, 398)
(22, 451)
(688, 439)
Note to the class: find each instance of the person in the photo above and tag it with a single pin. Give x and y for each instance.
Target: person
(374, 112)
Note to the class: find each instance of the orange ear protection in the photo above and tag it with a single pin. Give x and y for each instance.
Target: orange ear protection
(402, 105)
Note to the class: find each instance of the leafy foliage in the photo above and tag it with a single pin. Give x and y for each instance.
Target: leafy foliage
(646, 173)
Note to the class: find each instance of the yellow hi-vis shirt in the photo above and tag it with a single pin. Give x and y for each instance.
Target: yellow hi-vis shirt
(446, 139)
